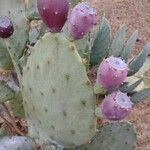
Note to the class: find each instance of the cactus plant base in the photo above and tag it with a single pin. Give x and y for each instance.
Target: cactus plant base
(58, 98)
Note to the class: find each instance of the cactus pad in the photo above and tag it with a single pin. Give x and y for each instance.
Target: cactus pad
(101, 43)
(5, 60)
(118, 41)
(31, 9)
(137, 62)
(58, 97)
(114, 136)
(6, 93)
(17, 143)
(14, 9)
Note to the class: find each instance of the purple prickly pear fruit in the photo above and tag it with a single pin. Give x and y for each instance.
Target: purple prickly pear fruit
(6, 27)
(53, 13)
(81, 20)
(111, 73)
(116, 106)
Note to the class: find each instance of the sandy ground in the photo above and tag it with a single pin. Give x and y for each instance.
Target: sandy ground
(136, 15)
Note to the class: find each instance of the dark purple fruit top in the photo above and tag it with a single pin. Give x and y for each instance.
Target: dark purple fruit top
(53, 13)
(6, 27)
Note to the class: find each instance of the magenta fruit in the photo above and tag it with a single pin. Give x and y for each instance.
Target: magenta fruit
(116, 106)
(53, 13)
(6, 27)
(81, 20)
(111, 73)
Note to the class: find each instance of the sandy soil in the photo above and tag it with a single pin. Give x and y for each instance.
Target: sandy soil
(134, 13)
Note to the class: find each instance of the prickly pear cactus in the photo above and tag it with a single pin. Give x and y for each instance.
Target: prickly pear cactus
(5, 60)
(17, 105)
(31, 9)
(58, 97)
(17, 143)
(118, 41)
(15, 11)
(83, 48)
(6, 93)
(101, 42)
(36, 32)
(113, 136)
(138, 61)
(57, 94)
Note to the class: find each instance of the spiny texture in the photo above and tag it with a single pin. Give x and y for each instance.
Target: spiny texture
(58, 97)
(116, 106)
(6, 27)
(112, 72)
(17, 143)
(81, 20)
(54, 13)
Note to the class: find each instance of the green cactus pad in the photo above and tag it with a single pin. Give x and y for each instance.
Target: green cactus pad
(137, 62)
(140, 95)
(114, 136)
(83, 48)
(31, 9)
(36, 32)
(14, 9)
(58, 96)
(129, 46)
(6, 93)
(17, 143)
(129, 88)
(3, 131)
(101, 43)
(118, 41)
(17, 105)
(5, 60)
(50, 145)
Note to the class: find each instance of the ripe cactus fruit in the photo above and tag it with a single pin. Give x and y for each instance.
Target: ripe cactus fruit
(6, 27)
(112, 72)
(116, 106)
(62, 105)
(81, 20)
(54, 13)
